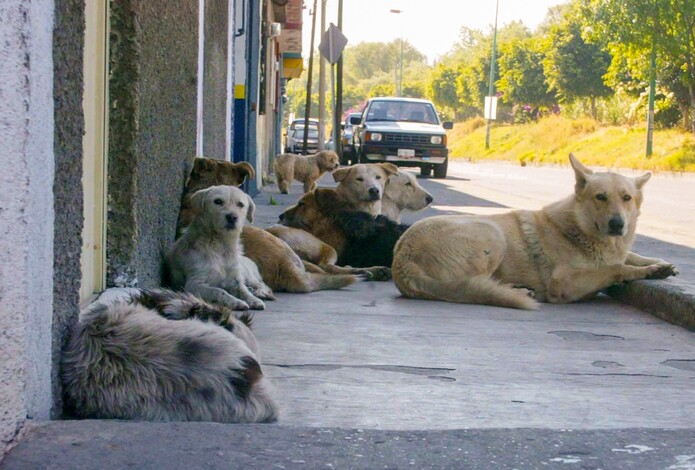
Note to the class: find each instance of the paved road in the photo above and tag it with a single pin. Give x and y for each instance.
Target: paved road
(368, 379)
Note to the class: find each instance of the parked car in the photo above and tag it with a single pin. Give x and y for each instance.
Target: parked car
(294, 142)
(346, 140)
(403, 131)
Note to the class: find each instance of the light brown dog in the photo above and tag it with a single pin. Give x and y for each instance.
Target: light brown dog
(362, 185)
(208, 172)
(306, 169)
(565, 252)
(283, 270)
(403, 192)
(306, 245)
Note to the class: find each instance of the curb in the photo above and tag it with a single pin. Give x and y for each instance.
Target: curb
(664, 299)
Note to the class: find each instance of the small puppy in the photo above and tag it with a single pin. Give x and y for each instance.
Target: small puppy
(164, 356)
(362, 185)
(208, 259)
(403, 192)
(307, 169)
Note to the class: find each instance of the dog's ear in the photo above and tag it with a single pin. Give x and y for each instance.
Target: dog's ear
(198, 200)
(389, 168)
(244, 170)
(251, 210)
(581, 174)
(340, 174)
(642, 180)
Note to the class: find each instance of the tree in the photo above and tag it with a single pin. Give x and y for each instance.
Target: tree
(522, 78)
(573, 66)
(633, 27)
(441, 88)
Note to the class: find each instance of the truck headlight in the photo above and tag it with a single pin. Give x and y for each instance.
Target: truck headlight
(436, 140)
(374, 137)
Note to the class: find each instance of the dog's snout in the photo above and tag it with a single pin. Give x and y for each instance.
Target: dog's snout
(616, 225)
(231, 220)
(374, 192)
(281, 217)
(429, 199)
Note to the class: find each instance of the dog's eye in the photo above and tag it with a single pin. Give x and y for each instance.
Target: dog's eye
(378, 177)
(627, 197)
(218, 202)
(240, 205)
(408, 183)
(360, 179)
(300, 204)
(601, 197)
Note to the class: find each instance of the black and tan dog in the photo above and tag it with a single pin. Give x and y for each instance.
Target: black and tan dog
(359, 238)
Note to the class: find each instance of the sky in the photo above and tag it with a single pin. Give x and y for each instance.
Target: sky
(432, 26)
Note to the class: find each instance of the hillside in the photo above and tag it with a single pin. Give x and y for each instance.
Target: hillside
(552, 139)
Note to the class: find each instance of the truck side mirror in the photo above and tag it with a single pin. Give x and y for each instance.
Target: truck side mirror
(355, 120)
(448, 125)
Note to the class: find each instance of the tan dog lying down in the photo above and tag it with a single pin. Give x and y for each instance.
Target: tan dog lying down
(565, 252)
(307, 169)
(402, 192)
(362, 185)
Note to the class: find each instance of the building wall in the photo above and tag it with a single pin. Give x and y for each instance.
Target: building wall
(26, 218)
(215, 79)
(68, 39)
(152, 132)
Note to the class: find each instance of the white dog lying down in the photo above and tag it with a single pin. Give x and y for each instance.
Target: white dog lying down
(208, 259)
(164, 356)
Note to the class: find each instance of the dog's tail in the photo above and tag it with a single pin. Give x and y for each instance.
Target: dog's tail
(413, 282)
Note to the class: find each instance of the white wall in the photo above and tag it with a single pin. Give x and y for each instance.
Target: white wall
(26, 213)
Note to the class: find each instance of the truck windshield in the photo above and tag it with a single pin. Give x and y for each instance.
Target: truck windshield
(402, 111)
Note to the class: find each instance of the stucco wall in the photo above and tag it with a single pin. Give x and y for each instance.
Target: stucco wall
(68, 39)
(152, 132)
(26, 218)
(215, 79)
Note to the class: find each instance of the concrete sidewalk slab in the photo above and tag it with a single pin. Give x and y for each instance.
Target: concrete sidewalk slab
(108, 445)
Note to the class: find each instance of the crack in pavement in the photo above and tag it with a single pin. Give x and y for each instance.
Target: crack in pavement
(427, 371)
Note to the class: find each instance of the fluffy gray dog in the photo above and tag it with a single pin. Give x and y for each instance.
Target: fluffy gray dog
(164, 356)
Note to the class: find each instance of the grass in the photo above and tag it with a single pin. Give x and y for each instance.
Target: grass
(550, 140)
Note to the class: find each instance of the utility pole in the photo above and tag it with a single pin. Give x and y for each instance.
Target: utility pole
(399, 78)
(338, 117)
(652, 86)
(322, 84)
(307, 107)
(491, 88)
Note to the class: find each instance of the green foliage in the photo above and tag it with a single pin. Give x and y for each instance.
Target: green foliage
(573, 66)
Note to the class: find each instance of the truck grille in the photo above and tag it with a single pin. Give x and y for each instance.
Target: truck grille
(406, 139)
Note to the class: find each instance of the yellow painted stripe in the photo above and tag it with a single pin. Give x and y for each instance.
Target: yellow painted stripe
(239, 92)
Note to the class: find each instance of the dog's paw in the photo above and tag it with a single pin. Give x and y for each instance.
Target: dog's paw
(237, 304)
(525, 290)
(378, 273)
(256, 304)
(661, 271)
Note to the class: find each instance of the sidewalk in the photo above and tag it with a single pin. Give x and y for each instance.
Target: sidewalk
(368, 379)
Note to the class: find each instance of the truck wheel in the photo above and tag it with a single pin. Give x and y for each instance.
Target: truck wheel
(426, 170)
(440, 170)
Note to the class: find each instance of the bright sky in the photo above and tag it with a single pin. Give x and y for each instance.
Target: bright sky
(432, 26)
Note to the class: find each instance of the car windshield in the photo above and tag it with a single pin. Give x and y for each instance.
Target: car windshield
(402, 111)
(299, 132)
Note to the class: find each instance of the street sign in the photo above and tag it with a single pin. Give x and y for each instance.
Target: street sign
(332, 44)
